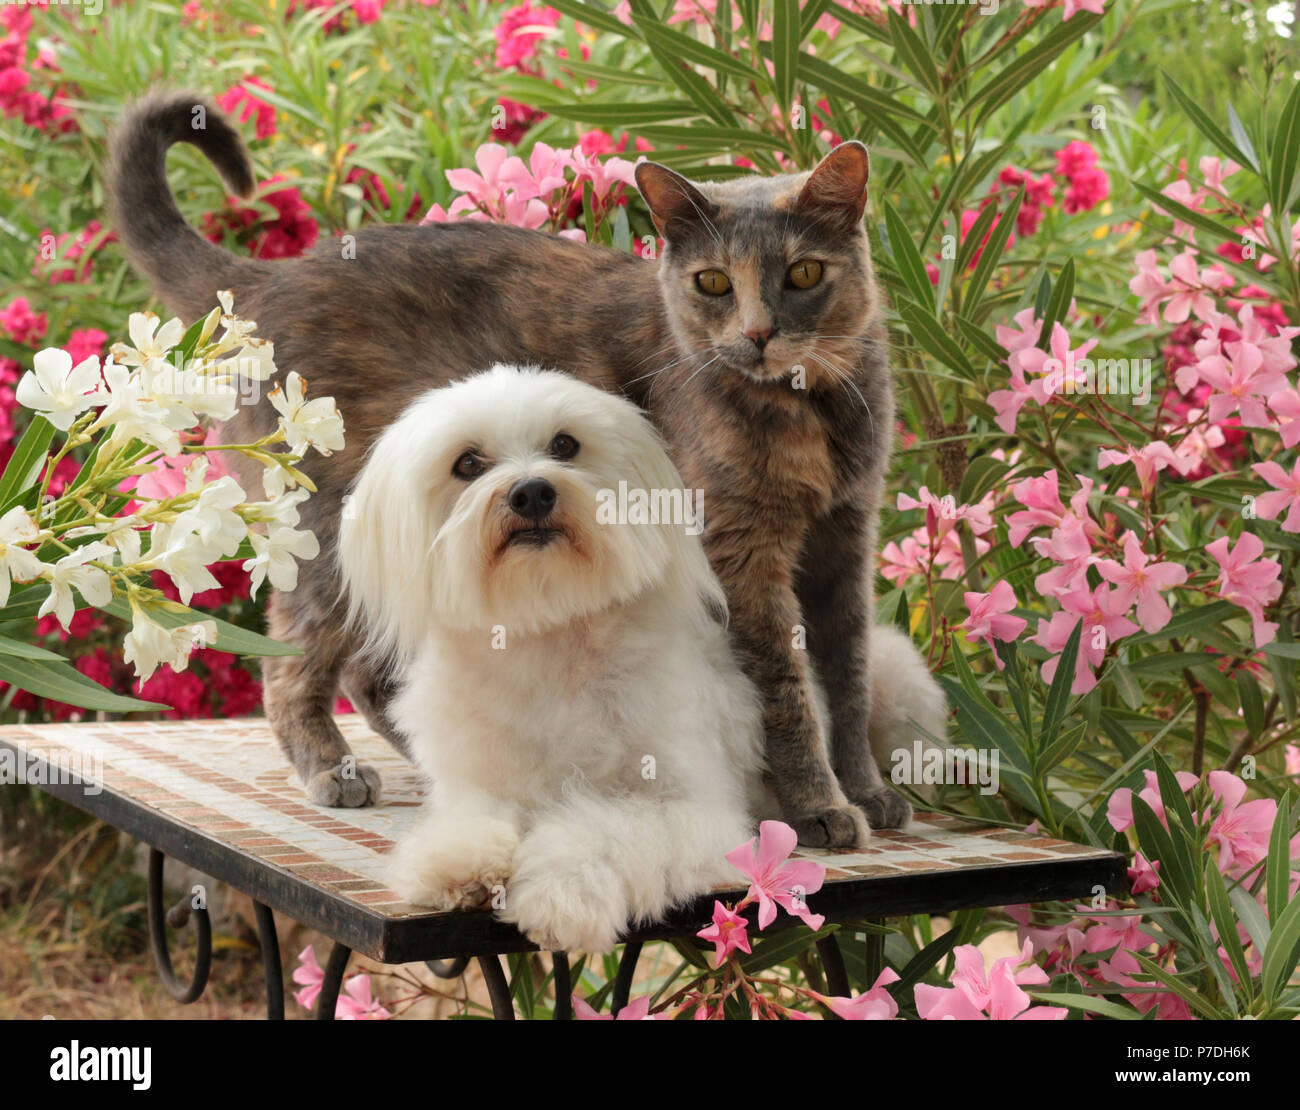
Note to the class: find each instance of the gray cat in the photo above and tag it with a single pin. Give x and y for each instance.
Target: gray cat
(757, 346)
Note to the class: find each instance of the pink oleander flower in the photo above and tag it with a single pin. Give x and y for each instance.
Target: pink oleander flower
(1148, 461)
(85, 343)
(1057, 366)
(775, 879)
(1285, 405)
(1023, 335)
(356, 1003)
(876, 1004)
(727, 934)
(1292, 755)
(1248, 581)
(1098, 7)
(1215, 172)
(977, 994)
(1242, 829)
(1150, 285)
(1059, 944)
(638, 1009)
(1104, 621)
(1119, 809)
(1144, 875)
(310, 976)
(1240, 383)
(1121, 933)
(603, 175)
(244, 104)
(520, 30)
(946, 512)
(497, 169)
(905, 559)
(1141, 581)
(990, 617)
(1068, 546)
(24, 326)
(1043, 508)
(1285, 494)
(1191, 288)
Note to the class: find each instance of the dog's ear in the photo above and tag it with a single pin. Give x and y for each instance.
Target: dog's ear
(385, 536)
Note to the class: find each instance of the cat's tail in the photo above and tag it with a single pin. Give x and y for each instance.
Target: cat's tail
(185, 269)
(907, 704)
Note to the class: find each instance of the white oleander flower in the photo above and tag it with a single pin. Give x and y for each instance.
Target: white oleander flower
(255, 360)
(211, 516)
(152, 342)
(92, 583)
(149, 645)
(58, 390)
(281, 509)
(17, 564)
(307, 423)
(133, 413)
(275, 557)
(180, 552)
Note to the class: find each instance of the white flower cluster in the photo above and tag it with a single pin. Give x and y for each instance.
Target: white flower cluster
(141, 402)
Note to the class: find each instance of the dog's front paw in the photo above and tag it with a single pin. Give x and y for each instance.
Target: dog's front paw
(454, 867)
(836, 827)
(345, 787)
(885, 809)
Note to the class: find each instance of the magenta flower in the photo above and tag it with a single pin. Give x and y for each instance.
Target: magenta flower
(1239, 383)
(638, 1009)
(497, 168)
(1285, 404)
(310, 975)
(1284, 495)
(728, 933)
(1139, 580)
(876, 1004)
(989, 618)
(356, 1003)
(977, 994)
(1119, 810)
(1247, 580)
(1242, 829)
(1144, 875)
(1150, 285)
(775, 880)
(1058, 365)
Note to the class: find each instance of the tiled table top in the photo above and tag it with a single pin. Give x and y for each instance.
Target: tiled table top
(220, 796)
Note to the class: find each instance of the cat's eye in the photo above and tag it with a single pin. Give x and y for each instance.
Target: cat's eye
(469, 466)
(563, 447)
(805, 273)
(713, 282)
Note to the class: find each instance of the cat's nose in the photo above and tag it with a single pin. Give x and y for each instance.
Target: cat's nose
(758, 334)
(532, 498)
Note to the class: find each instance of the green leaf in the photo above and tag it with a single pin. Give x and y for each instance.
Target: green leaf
(1058, 696)
(911, 266)
(625, 115)
(1157, 844)
(1283, 951)
(989, 347)
(1090, 1003)
(1010, 79)
(1206, 126)
(1194, 1000)
(1243, 139)
(1178, 211)
(61, 682)
(1278, 862)
(596, 17)
(913, 53)
(690, 49)
(1251, 916)
(925, 329)
(786, 34)
(23, 650)
(1226, 923)
(785, 945)
(230, 637)
(25, 464)
(1059, 302)
(1286, 153)
(992, 253)
(1252, 702)
(710, 137)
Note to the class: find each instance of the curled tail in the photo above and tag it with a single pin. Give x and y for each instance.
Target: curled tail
(185, 269)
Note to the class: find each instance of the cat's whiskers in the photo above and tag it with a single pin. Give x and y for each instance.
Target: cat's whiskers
(842, 376)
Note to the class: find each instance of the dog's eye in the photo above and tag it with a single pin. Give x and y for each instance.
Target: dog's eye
(713, 282)
(469, 466)
(564, 446)
(805, 273)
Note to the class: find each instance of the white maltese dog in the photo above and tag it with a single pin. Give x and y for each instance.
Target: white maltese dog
(567, 682)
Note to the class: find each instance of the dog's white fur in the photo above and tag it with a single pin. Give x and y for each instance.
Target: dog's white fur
(593, 747)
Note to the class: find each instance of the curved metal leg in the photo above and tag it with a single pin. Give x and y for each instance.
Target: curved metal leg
(329, 991)
(177, 916)
(503, 1009)
(563, 986)
(270, 943)
(623, 981)
(837, 977)
(448, 969)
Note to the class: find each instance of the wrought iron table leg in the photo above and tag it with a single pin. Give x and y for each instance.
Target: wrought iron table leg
(178, 916)
(563, 986)
(329, 991)
(448, 969)
(837, 978)
(270, 943)
(503, 1009)
(623, 981)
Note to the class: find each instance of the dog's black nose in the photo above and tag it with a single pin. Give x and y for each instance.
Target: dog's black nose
(532, 498)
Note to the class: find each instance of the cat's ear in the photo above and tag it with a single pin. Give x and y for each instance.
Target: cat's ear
(675, 204)
(838, 184)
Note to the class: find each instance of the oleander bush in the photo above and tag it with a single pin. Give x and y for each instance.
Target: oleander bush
(1090, 245)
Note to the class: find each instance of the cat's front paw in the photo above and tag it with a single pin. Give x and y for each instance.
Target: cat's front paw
(563, 899)
(454, 866)
(835, 827)
(885, 809)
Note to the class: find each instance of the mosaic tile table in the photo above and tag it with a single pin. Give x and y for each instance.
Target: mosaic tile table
(218, 796)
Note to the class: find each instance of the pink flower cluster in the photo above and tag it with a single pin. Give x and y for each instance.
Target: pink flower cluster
(544, 192)
(244, 104)
(77, 248)
(356, 1002)
(292, 232)
(18, 100)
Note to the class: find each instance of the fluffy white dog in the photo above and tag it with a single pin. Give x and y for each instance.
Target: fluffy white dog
(567, 682)
(568, 685)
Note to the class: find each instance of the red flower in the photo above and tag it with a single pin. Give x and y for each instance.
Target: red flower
(244, 105)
